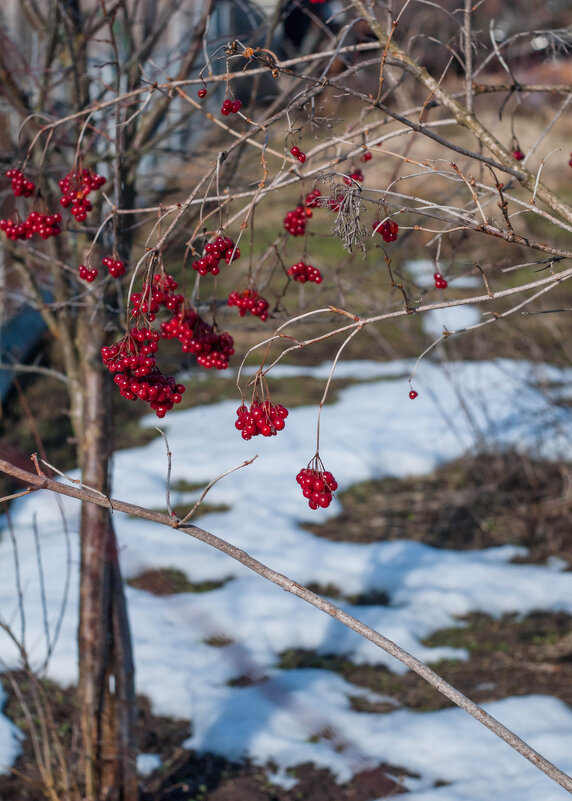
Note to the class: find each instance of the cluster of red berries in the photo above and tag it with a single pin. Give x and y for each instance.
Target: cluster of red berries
(365, 156)
(356, 175)
(335, 203)
(87, 273)
(161, 292)
(222, 248)
(388, 229)
(413, 394)
(518, 154)
(440, 282)
(312, 200)
(297, 153)
(303, 272)
(212, 349)
(21, 186)
(44, 225)
(263, 417)
(202, 92)
(228, 106)
(295, 221)
(115, 267)
(317, 486)
(249, 301)
(133, 362)
(75, 187)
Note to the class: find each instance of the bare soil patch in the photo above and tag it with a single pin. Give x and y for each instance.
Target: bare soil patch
(477, 501)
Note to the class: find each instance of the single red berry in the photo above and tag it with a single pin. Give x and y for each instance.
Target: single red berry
(301, 158)
(413, 394)
(295, 151)
(518, 154)
(202, 93)
(365, 156)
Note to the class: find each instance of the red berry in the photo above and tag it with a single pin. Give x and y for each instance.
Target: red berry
(202, 93)
(226, 107)
(295, 151)
(413, 394)
(518, 154)
(295, 221)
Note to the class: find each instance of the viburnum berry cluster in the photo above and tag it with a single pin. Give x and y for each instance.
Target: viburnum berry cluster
(211, 348)
(297, 153)
(228, 106)
(87, 273)
(249, 301)
(21, 186)
(223, 247)
(116, 267)
(44, 225)
(312, 200)
(261, 417)
(295, 221)
(132, 360)
(159, 292)
(76, 187)
(440, 282)
(317, 485)
(388, 229)
(133, 363)
(303, 272)
(356, 175)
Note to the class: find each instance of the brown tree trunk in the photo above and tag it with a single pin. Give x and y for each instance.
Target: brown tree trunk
(106, 697)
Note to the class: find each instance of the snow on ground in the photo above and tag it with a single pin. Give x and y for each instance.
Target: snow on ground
(371, 431)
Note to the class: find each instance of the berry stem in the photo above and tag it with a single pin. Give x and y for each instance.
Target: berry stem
(211, 484)
(329, 381)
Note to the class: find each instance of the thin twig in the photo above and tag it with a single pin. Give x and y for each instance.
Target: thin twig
(168, 482)
(210, 485)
